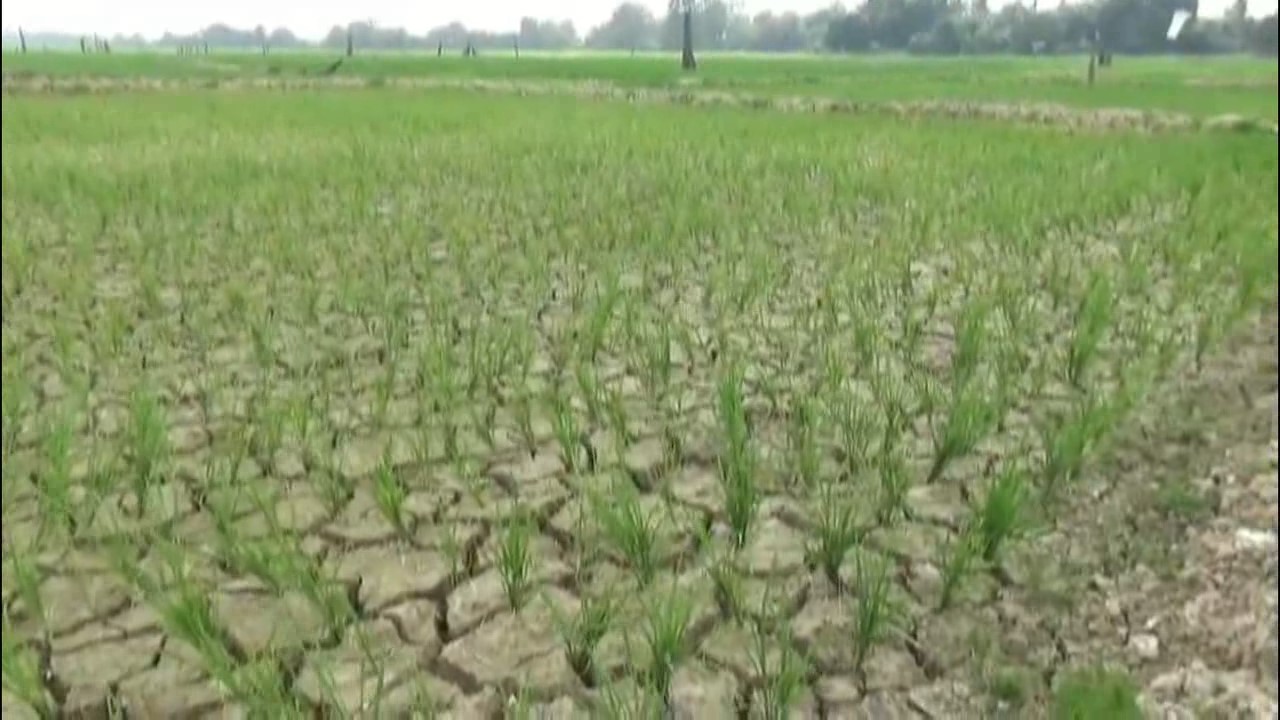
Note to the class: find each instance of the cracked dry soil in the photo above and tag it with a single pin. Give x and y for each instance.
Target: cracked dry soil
(1165, 566)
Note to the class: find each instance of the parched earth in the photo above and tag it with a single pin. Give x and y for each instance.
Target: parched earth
(1165, 567)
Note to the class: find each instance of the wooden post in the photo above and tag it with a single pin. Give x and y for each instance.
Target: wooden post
(84, 45)
(351, 45)
(515, 43)
(439, 48)
(22, 42)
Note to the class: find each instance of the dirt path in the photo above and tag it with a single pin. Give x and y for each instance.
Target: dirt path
(1062, 117)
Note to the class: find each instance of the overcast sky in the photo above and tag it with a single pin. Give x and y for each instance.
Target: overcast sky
(313, 18)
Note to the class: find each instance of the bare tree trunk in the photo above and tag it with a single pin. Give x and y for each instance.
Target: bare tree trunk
(351, 46)
(440, 48)
(84, 46)
(687, 60)
(515, 43)
(1093, 59)
(22, 42)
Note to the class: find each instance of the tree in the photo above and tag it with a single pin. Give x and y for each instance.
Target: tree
(686, 9)
(631, 27)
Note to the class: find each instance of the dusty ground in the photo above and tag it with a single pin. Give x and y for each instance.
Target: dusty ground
(1181, 547)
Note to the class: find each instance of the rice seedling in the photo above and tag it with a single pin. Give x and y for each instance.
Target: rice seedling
(837, 532)
(515, 559)
(781, 682)
(957, 558)
(737, 463)
(148, 444)
(22, 674)
(630, 529)
(58, 509)
(875, 614)
(1000, 515)
(390, 494)
(895, 482)
(1092, 318)
(565, 424)
(971, 417)
(803, 447)
(583, 633)
(666, 627)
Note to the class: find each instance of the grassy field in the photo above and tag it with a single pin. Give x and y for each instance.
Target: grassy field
(391, 402)
(1197, 86)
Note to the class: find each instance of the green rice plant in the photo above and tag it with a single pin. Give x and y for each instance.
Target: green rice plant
(148, 443)
(957, 560)
(875, 614)
(390, 494)
(618, 420)
(58, 511)
(565, 425)
(484, 413)
(780, 683)
(1092, 318)
(14, 403)
(971, 343)
(515, 559)
(27, 579)
(523, 409)
(666, 629)
(867, 336)
(895, 483)
(451, 546)
(856, 429)
(384, 390)
(625, 702)
(805, 453)
(22, 675)
(583, 633)
(589, 388)
(601, 313)
(727, 586)
(837, 532)
(737, 461)
(972, 416)
(891, 395)
(1000, 516)
(1066, 443)
(656, 352)
(185, 609)
(631, 530)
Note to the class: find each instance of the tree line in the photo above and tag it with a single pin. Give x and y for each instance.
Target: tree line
(945, 27)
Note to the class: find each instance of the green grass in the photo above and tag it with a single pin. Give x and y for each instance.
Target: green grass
(1197, 86)
(1095, 693)
(249, 333)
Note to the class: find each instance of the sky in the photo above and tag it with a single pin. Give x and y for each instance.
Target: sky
(312, 19)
